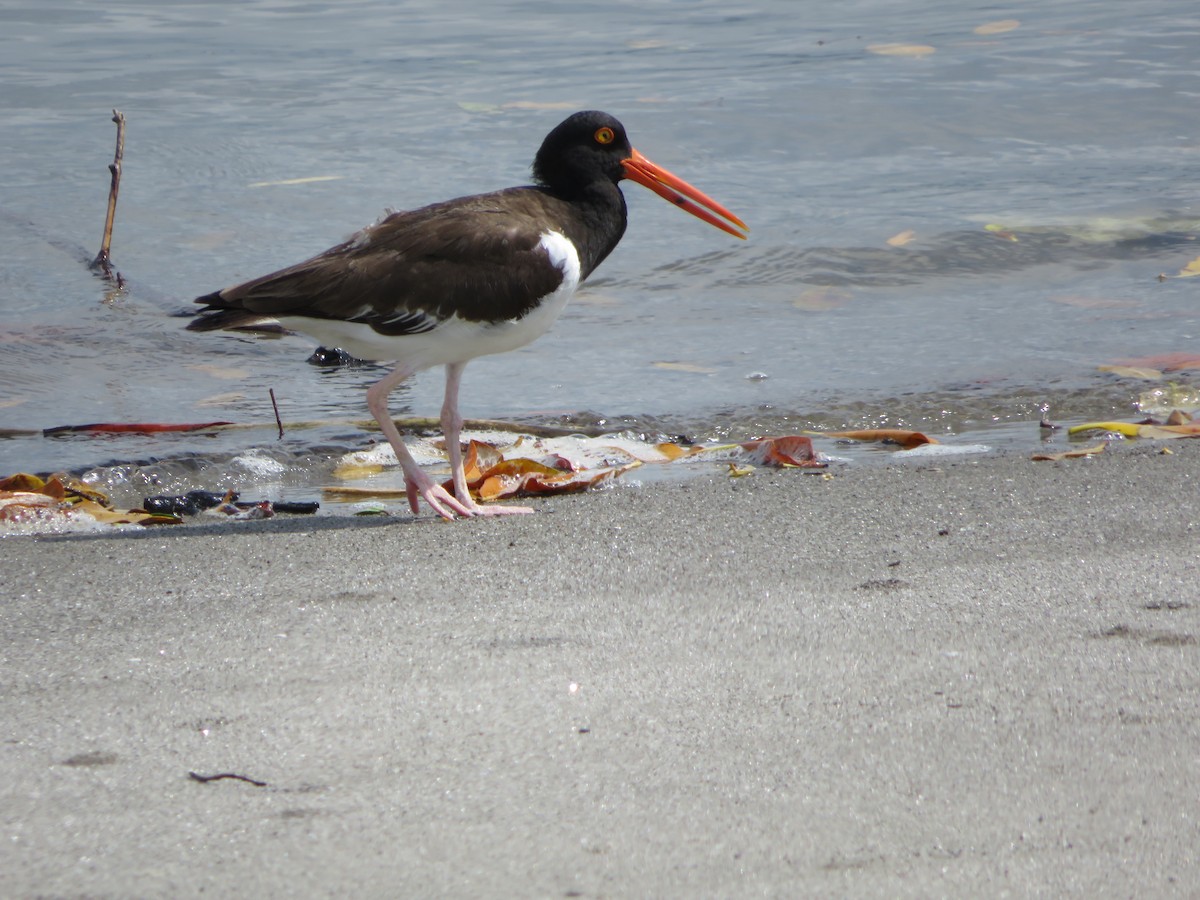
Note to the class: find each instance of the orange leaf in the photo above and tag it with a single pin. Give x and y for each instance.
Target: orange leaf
(906, 439)
(673, 451)
(23, 482)
(479, 459)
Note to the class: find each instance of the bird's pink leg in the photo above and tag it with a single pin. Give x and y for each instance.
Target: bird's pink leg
(452, 431)
(416, 481)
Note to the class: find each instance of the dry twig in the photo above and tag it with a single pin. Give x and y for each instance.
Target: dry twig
(102, 261)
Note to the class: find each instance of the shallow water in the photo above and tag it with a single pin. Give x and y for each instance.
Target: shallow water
(1072, 132)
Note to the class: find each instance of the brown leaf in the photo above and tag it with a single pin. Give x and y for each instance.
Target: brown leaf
(1080, 453)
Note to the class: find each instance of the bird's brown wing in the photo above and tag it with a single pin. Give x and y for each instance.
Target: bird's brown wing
(475, 258)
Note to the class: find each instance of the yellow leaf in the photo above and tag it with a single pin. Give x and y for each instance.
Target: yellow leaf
(999, 27)
(684, 367)
(1000, 231)
(736, 471)
(357, 493)
(1191, 269)
(539, 105)
(1132, 372)
(1129, 429)
(468, 106)
(899, 240)
(349, 471)
(289, 181)
(916, 51)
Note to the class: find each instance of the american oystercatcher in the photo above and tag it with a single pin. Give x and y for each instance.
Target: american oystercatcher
(441, 285)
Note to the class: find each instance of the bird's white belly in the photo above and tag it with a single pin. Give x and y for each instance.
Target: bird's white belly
(454, 339)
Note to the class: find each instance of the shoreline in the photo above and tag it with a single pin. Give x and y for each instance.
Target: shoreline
(968, 675)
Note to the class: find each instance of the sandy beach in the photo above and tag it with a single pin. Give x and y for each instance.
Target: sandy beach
(957, 678)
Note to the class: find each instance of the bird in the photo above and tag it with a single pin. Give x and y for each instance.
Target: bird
(477, 275)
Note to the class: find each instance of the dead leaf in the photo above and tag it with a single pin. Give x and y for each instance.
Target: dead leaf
(132, 428)
(540, 104)
(684, 367)
(1191, 269)
(1000, 232)
(1167, 362)
(290, 181)
(1132, 372)
(1080, 453)
(222, 372)
(736, 471)
(899, 240)
(792, 451)
(673, 452)
(822, 299)
(916, 51)
(1182, 426)
(468, 106)
(363, 493)
(1082, 302)
(220, 399)
(906, 439)
(52, 502)
(999, 27)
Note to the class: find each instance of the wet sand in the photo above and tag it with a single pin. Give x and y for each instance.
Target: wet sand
(960, 678)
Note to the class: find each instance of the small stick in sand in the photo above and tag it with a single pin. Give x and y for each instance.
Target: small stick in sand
(204, 779)
(101, 261)
(275, 406)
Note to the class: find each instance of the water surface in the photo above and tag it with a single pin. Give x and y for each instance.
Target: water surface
(1072, 132)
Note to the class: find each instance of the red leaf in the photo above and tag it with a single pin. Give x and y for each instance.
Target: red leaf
(790, 451)
(129, 428)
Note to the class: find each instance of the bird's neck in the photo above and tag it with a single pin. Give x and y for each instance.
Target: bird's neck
(595, 221)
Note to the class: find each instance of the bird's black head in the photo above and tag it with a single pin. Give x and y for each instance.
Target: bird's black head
(586, 147)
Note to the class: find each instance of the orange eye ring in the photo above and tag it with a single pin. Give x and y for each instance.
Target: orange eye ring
(604, 135)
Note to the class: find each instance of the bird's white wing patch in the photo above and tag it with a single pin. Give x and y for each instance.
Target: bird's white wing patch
(563, 255)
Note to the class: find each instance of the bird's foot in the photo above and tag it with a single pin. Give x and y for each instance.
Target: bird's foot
(500, 510)
(448, 506)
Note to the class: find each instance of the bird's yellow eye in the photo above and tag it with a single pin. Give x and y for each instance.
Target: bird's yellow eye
(604, 135)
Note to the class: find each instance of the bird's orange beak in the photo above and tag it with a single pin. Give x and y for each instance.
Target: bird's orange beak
(673, 188)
